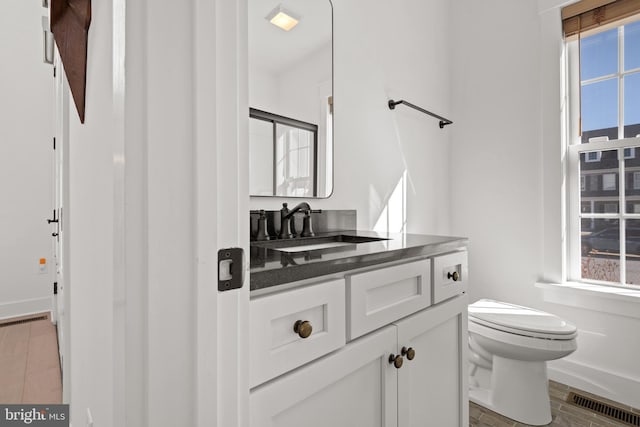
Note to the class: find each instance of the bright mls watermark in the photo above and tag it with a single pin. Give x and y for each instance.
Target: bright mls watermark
(34, 415)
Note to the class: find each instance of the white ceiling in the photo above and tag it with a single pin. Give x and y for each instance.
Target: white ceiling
(272, 49)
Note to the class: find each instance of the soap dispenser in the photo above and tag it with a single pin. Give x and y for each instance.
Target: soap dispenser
(261, 233)
(262, 226)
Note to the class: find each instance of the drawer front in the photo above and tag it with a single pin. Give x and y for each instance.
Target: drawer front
(450, 276)
(276, 347)
(379, 297)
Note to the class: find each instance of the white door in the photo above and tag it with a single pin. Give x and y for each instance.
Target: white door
(432, 388)
(60, 140)
(356, 386)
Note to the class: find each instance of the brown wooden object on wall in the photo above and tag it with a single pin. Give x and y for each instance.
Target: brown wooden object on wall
(70, 20)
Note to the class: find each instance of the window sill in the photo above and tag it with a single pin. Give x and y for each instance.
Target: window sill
(607, 299)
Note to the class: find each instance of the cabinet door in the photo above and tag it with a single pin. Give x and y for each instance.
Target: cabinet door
(432, 388)
(355, 386)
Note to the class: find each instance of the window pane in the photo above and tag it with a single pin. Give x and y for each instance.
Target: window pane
(294, 161)
(633, 251)
(598, 170)
(599, 55)
(609, 182)
(600, 244)
(629, 153)
(261, 159)
(632, 105)
(632, 183)
(600, 106)
(632, 46)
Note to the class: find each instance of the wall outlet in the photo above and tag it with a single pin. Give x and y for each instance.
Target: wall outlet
(42, 266)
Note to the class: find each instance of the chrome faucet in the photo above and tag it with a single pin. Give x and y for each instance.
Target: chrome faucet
(285, 221)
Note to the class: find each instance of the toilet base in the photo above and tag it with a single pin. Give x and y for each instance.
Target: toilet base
(519, 390)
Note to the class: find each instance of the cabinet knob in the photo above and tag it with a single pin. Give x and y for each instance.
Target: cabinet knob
(455, 276)
(410, 353)
(396, 360)
(303, 328)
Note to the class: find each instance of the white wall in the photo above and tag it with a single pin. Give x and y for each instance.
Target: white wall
(89, 225)
(299, 87)
(497, 151)
(507, 178)
(162, 147)
(382, 52)
(26, 186)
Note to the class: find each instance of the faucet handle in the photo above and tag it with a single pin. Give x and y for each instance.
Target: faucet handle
(307, 230)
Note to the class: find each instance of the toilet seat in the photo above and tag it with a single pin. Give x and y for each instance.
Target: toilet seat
(514, 344)
(518, 320)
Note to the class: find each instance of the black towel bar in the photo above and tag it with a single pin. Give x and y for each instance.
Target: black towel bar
(443, 122)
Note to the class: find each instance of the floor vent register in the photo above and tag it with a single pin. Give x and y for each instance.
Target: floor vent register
(615, 413)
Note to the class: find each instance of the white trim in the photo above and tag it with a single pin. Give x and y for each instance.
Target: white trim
(605, 145)
(621, 301)
(24, 307)
(614, 386)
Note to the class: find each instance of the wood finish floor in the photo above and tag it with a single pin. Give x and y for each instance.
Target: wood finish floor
(29, 363)
(563, 413)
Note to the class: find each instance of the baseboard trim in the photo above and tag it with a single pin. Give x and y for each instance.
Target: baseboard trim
(622, 389)
(24, 307)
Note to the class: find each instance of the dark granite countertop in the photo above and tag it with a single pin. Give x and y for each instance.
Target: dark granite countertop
(270, 267)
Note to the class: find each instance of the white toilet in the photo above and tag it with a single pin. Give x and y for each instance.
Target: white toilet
(509, 346)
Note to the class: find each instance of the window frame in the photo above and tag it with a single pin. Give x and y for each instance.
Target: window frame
(574, 214)
(575, 148)
(275, 120)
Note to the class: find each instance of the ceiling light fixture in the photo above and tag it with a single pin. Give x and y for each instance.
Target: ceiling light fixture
(283, 18)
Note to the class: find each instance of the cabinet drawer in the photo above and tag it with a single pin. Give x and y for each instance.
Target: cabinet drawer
(276, 347)
(449, 276)
(379, 297)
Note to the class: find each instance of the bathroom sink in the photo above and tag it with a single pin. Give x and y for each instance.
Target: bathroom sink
(304, 244)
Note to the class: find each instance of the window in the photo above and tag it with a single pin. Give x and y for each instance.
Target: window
(289, 160)
(609, 182)
(604, 213)
(629, 153)
(594, 156)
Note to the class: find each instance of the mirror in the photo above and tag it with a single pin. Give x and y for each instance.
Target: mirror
(291, 98)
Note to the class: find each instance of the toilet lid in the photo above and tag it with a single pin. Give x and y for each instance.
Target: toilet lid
(515, 318)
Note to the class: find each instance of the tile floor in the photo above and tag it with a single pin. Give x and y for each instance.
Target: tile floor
(29, 363)
(563, 414)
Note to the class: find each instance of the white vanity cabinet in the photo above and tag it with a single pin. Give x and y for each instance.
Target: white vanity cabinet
(355, 386)
(432, 387)
(389, 315)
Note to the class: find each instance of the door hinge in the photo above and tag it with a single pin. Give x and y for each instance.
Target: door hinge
(55, 288)
(230, 268)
